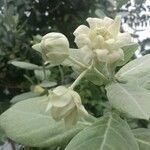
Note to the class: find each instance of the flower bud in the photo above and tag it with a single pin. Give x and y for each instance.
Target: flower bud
(54, 47)
(66, 104)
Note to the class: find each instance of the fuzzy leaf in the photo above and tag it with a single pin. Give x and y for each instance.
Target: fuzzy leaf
(121, 2)
(39, 74)
(23, 96)
(130, 99)
(135, 69)
(143, 138)
(2, 136)
(110, 132)
(137, 72)
(129, 51)
(28, 123)
(26, 65)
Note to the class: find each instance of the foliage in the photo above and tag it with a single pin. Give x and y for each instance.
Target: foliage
(41, 117)
(108, 132)
(56, 116)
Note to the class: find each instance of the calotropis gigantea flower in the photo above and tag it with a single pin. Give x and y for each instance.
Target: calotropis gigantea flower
(66, 104)
(102, 39)
(54, 47)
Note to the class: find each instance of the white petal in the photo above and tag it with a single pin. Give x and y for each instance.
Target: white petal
(76, 97)
(60, 90)
(108, 21)
(71, 119)
(111, 45)
(115, 27)
(102, 54)
(54, 36)
(60, 101)
(82, 29)
(60, 112)
(60, 97)
(116, 55)
(86, 55)
(82, 111)
(82, 40)
(95, 22)
(48, 107)
(123, 39)
(98, 42)
(37, 47)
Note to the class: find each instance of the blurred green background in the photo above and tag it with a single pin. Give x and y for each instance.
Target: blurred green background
(22, 21)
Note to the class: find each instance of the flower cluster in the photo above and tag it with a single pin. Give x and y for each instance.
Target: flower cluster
(102, 39)
(99, 45)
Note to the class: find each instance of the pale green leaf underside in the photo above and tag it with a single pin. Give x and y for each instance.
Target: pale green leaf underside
(26, 65)
(143, 138)
(129, 51)
(23, 96)
(75, 53)
(27, 123)
(109, 133)
(40, 74)
(130, 99)
(2, 136)
(135, 69)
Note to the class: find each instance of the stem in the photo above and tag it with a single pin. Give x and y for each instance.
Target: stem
(110, 71)
(29, 79)
(44, 71)
(78, 79)
(47, 67)
(100, 74)
(77, 62)
(61, 74)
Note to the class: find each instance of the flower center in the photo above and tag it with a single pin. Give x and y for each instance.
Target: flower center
(103, 32)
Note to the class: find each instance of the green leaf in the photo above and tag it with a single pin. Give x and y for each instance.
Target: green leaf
(99, 13)
(129, 51)
(92, 76)
(39, 74)
(139, 2)
(46, 84)
(143, 138)
(23, 96)
(27, 123)
(121, 2)
(137, 72)
(95, 77)
(37, 47)
(110, 132)
(130, 99)
(26, 65)
(144, 81)
(135, 69)
(2, 136)
(74, 53)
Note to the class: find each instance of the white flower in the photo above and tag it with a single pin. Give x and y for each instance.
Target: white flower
(54, 47)
(66, 104)
(103, 38)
